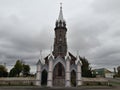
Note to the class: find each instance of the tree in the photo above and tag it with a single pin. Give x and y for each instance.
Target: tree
(3, 71)
(26, 70)
(18, 66)
(86, 70)
(118, 69)
(13, 72)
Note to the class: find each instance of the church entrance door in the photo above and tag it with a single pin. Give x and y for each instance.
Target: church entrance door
(44, 78)
(73, 78)
(59, 75)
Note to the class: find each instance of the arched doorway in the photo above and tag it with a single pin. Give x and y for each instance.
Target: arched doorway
(44, 78)
(59, 75)
(73, 78)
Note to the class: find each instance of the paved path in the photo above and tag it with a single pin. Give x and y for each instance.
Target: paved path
(39, 88)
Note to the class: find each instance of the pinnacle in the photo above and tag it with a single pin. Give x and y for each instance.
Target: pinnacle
(60, 14)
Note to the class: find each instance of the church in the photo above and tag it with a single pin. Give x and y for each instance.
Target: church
(61, 67)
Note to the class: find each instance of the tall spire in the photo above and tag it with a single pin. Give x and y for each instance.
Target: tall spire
(60, 14)
(60, 42)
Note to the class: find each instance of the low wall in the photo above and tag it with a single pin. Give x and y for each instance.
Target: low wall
(31, 81)
(17, 81)
(95, 81)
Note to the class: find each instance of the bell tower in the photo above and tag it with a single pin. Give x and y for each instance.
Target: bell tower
(60, 42)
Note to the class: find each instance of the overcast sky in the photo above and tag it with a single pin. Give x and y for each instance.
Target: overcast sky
(27, 26)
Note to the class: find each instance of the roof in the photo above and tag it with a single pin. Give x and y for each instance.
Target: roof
(102, 71)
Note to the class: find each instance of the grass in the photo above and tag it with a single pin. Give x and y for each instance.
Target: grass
(115, 83)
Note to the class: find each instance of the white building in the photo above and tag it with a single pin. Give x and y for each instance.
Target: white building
(61, 68)
(103, 72)
(109, 75)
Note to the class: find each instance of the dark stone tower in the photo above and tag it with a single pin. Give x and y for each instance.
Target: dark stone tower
(60, 42)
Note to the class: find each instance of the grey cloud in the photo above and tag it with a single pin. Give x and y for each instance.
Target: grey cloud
(107, 6)
(28, 27)
(18, 40)
(96, 35)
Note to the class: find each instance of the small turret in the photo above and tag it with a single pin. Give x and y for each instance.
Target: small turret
(67, 56)
(78, 61)
(39, 62)
(38, 74)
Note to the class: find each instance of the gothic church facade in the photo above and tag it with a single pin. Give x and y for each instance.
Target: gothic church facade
(61, 68)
